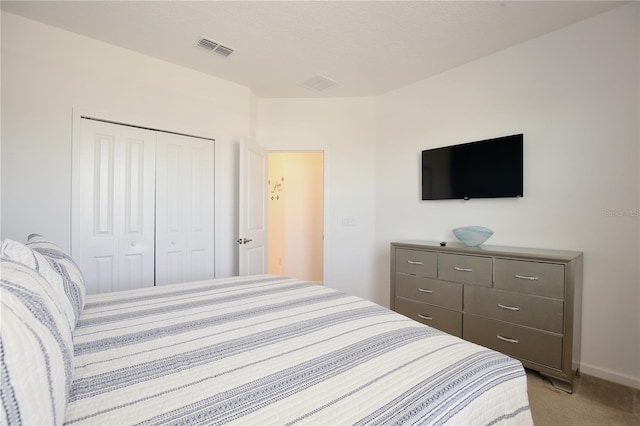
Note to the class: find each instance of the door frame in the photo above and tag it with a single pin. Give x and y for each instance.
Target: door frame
(325, 202)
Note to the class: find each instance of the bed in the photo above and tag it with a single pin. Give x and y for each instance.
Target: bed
(262, 349)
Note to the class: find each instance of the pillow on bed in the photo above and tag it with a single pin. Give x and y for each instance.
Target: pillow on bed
(65, 266)
(18, 252)
(36, 348)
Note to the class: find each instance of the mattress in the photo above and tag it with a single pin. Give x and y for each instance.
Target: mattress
(271, 350)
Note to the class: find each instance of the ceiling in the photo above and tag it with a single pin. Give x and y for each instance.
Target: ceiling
(366, 47)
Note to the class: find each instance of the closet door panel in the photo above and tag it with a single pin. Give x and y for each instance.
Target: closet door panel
(137, 262)
(199, 264)
(100, 277)
(170, 220)
(114, 220)
(103, 182)
(175, 268)
(95, 222)
(200, 235)
(184, 209)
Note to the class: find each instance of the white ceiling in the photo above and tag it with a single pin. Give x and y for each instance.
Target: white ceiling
(367, 47)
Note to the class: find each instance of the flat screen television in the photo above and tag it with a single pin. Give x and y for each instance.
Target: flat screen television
(490, 168)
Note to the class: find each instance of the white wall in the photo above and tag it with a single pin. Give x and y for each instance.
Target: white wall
(345, 130)
(275, 214)
(41, 84)
(575, 96)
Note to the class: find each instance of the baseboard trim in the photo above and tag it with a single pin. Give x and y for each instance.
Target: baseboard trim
(611, 376)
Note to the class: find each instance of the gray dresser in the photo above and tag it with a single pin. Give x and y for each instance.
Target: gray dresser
(523, 302)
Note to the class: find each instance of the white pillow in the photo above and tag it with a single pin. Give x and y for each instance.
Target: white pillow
(20, 253)
(36, 347)
(65, 266)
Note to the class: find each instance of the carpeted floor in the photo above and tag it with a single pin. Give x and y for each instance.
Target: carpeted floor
(593, 402)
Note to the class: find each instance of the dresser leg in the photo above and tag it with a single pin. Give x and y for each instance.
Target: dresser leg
(560, 384)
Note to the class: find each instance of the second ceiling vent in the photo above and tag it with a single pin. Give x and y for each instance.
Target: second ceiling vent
(318, 83)
(214, 46)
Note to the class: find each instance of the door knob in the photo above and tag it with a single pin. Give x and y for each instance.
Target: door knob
(244, 240)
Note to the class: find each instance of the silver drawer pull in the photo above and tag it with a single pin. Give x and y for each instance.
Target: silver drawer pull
(526, 277)
(507, 339)
(424, 290)
(414, 262)
(457, 268)
(425, 317)
(510, 308)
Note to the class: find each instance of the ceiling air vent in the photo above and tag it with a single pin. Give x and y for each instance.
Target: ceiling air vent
(214, 46)
(224, 50)
(318, 83)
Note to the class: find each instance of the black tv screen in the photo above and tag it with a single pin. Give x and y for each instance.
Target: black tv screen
(489, 168)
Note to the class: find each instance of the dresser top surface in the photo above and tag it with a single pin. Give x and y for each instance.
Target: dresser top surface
(490, 250)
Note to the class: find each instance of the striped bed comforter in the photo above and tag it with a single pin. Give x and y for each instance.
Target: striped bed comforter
(270, 350)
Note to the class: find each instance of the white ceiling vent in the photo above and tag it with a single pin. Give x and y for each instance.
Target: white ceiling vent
(318, 83)
(214, 46)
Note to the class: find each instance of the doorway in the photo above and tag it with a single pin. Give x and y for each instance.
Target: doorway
(295, 215)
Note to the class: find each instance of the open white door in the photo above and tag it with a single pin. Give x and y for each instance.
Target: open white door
(252, 233)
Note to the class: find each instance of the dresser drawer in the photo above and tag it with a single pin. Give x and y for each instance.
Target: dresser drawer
(543, 279)
(523, 309)
(475, 270)
(443, 319)
(427, 290)
(520, 342)
(417, 262)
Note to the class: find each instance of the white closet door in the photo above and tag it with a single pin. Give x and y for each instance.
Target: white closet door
(113, 227)
(184, 209)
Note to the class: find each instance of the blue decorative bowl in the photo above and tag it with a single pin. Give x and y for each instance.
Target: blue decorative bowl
(473, 236)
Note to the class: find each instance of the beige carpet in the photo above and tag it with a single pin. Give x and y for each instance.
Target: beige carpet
(593, 402)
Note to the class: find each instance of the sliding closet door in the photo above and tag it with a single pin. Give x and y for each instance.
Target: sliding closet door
(113, 222)
(184, 209)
